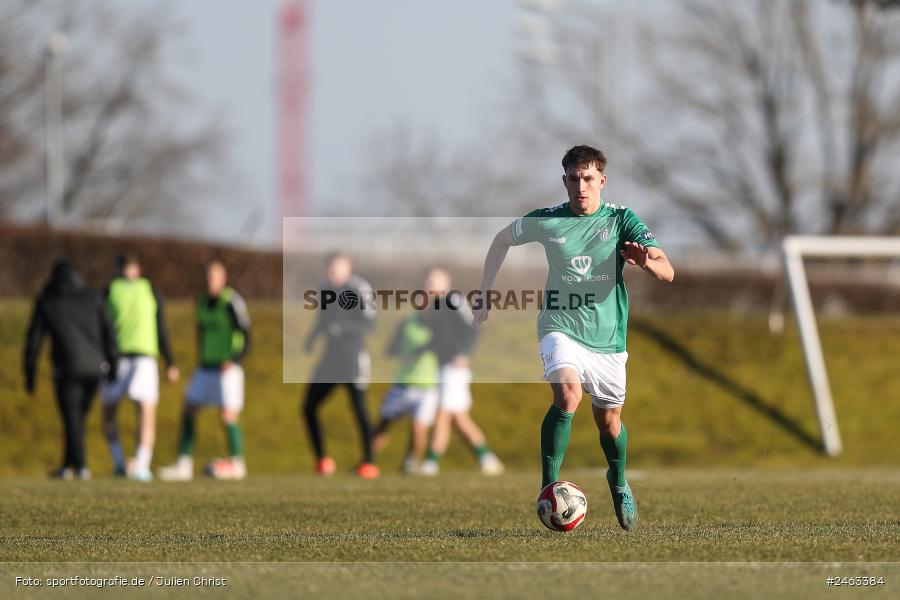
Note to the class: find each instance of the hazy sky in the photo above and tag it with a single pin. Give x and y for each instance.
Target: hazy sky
(430, 64)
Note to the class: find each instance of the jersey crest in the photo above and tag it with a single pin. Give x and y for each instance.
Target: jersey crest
(582, 264)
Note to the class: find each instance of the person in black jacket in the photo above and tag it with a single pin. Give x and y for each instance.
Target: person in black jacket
(345, 361)
(83, 350)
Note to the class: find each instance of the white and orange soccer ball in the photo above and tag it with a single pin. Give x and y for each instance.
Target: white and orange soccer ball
(561, 506)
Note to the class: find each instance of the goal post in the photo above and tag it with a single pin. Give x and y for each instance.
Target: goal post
(794, 249)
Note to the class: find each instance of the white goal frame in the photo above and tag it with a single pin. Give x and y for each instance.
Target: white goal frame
(794, 248)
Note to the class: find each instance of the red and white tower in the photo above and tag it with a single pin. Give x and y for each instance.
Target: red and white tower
(293, 108)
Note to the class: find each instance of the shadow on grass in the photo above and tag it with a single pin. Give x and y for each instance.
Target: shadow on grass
(726, 383)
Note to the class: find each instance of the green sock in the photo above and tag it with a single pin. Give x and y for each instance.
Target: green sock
(614, 449)
(235, 439)
(480, 451)
(555, 432)
(187, 435)
(432, 455)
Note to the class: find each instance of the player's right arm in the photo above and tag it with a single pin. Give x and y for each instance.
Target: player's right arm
(319, 327)
(33, 339)
(521, 231)
(492, 262)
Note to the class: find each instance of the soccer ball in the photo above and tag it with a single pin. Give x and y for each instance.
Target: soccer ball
(561, 506)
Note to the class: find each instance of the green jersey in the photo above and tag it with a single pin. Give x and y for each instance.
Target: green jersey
(134, 308)
(223, 326)
(585, 296)
(419, 365)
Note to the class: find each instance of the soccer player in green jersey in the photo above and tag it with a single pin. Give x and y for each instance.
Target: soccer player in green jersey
(582, 323)
(223, 339)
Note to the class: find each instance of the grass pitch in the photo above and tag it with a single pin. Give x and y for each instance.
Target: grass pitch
(705, 390)
(481, 529)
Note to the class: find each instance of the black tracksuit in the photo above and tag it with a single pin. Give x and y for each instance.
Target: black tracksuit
(83, 350)
(344, 361)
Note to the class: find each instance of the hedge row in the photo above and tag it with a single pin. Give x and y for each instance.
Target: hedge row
(176, 267)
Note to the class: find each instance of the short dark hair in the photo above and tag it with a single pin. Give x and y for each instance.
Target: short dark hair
(125, 259)
(584, 157)
(62, 267)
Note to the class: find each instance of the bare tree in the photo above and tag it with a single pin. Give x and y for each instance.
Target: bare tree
(769, 116)
(128, 162)
(748, 120)
(418, 175)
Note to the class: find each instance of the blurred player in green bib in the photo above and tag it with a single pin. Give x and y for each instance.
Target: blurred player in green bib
(137, 310)
(415, 390)
(584, 314)
(223, 338)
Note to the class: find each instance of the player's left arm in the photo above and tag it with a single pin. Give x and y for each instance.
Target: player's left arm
(240, 317)
(361, 320)
(651, 259)
(162, 336)
(108, 337)
(641, 249)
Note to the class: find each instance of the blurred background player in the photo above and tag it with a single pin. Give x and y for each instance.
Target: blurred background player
(223, 338)
(414, 391)
(137, 311)
(83, 350)
(453, 337)
(345, 359)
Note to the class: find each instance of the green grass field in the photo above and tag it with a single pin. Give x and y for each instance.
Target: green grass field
(838, 516)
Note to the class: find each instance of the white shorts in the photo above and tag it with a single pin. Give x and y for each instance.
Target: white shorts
(602, 375)
(137, 377)
(224, 389)
(421, 403)
(455, 395)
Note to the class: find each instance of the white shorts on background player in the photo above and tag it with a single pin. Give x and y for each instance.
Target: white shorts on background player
(213, 387)
(421, 403)
(137, 377)
(455, 395)
(602, 375)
